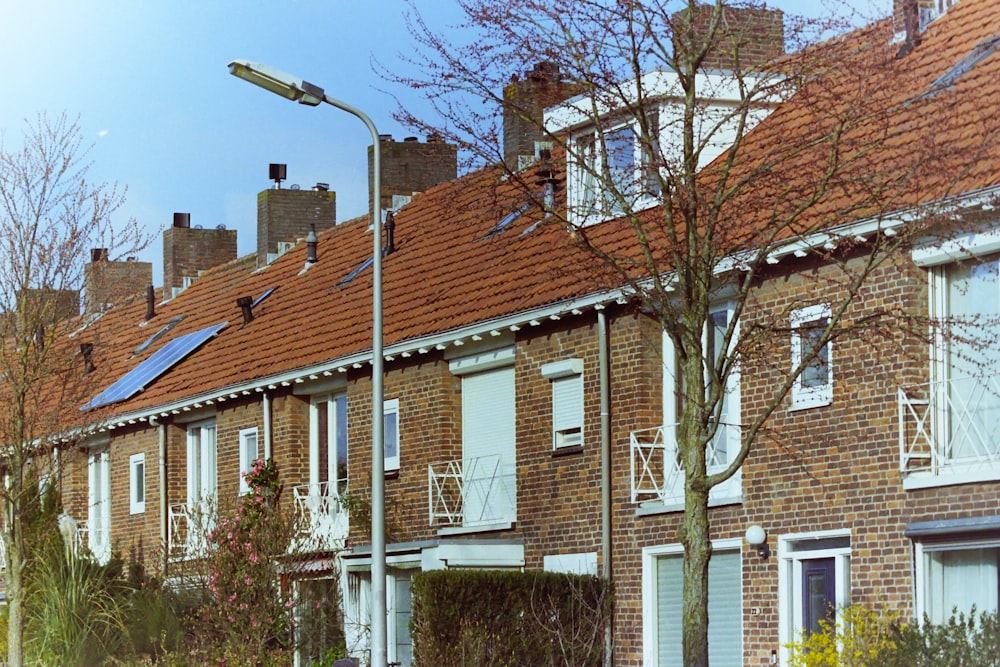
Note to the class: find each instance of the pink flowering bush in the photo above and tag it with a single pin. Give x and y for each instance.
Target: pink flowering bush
(250, 612)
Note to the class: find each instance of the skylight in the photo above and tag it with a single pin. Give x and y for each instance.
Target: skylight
(506, 221)
(157, 336)
(354, 274)
(263, 296)
(979, 52)
(158, 363)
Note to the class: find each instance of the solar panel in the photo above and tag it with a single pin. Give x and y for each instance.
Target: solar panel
(158, 363)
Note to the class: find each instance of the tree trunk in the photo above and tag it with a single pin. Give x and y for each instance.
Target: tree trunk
(697, 551)
(15, 602)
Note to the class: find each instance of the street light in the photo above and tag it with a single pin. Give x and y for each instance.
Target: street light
(303, 92)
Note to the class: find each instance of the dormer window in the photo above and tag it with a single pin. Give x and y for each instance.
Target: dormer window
(612, 174)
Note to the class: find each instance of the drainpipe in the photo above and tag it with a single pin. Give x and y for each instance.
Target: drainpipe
(604, 363)
(267, 426)
(162, 465)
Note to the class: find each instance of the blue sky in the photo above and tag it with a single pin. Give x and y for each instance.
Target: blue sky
(149, 82)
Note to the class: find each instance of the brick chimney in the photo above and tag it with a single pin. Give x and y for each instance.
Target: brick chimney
(409, 166)
(756, 36)
(45, 306)
(187, 251)
(106, 282)
(284, 216)
(524, 101)
(911, 17)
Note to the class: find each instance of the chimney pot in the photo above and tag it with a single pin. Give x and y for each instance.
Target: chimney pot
(277, 172)
(411, 139)
(385, 137)
(322, 187)
(99, 255)
(182, 220)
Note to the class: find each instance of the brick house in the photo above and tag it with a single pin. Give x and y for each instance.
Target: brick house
(876, 480)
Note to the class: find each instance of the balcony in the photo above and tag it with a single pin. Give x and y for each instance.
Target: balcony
(322, 519)
(657, 474)
(471, 493)
(189, 526)
(950, 431)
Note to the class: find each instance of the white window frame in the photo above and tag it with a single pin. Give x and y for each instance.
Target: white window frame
(357, 584)
(566, 377)
(921, 553)
(246, 462)
(730, 491)
(589, 203)
(804, 397)
(137, 483)
(390, 410)
(99, 504)
(202, 488)
(650, 556)
(333, 425)
(790, 577)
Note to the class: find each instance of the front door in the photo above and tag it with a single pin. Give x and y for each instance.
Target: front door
(819, 593)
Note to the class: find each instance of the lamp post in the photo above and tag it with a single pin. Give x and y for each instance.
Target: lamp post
(303, 92)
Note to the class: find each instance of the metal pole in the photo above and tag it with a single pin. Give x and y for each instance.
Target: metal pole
(606, 572)
(379, 644)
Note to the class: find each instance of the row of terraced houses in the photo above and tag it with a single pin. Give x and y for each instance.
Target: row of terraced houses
(880, 483)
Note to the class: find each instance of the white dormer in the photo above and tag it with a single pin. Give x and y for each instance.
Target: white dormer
(630, 160)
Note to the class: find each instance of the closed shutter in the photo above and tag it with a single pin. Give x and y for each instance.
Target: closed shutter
(725, 629)
(488, 434)
(567, 405)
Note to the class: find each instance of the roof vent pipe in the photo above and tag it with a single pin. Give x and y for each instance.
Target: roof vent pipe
(87, 352)
(390, 236)
(311, 245)
(246, 306)
(150, 303)
(182, 220)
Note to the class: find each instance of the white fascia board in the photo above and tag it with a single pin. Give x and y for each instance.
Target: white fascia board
(660, 86)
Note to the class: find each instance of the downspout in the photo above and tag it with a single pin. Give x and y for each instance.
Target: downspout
(162, 467)
(267, 426)
(604, 363)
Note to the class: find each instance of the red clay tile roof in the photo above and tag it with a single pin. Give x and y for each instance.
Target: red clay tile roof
(444, 275)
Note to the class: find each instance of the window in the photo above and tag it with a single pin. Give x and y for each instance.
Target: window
(390, 425)
(399, 611)
(612, 173)
(202, 471)
(328, 444)
(99, 504)
(567, 401)
(137, 483)
(656, 467)
(813, 581)
(957, 574)
(662, 613)
(814, 385)
(248, 455)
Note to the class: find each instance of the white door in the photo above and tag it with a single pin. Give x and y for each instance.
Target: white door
(488, 446)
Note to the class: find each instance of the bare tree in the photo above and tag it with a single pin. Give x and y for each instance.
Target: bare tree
(50, 217)
(706, 162)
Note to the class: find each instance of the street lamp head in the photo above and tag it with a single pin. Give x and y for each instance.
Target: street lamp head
(278, 82)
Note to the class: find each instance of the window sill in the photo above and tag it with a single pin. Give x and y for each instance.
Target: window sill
(927, 480)
(484, 528)
(570, 450)
(392, 474)
(655, 507)
(798, 406)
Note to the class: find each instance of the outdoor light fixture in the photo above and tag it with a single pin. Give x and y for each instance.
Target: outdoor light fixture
(295, 89)
(757, 538)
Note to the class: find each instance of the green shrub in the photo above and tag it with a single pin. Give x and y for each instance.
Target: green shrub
(487, 618)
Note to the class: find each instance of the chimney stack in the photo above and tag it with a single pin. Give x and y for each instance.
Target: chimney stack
(749, 38)
(285, 216)
(525, 100)
(188, 251)
(409, 166)
(106, 282)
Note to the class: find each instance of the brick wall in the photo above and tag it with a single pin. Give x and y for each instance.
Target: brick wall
(188, 250)
(751, 37)
(285, 215)
(524, 101)
(107, 282)
(135, 535)
(409, 166)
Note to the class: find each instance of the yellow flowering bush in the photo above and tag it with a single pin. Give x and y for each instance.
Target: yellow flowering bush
(858, 637)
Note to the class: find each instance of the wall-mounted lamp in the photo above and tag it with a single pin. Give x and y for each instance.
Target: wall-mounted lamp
(757, 538)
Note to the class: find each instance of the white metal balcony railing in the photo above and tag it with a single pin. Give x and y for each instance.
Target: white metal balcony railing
(657, 473)
(471, 492)
(323, 520)
(950, 426)
(189, 526)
